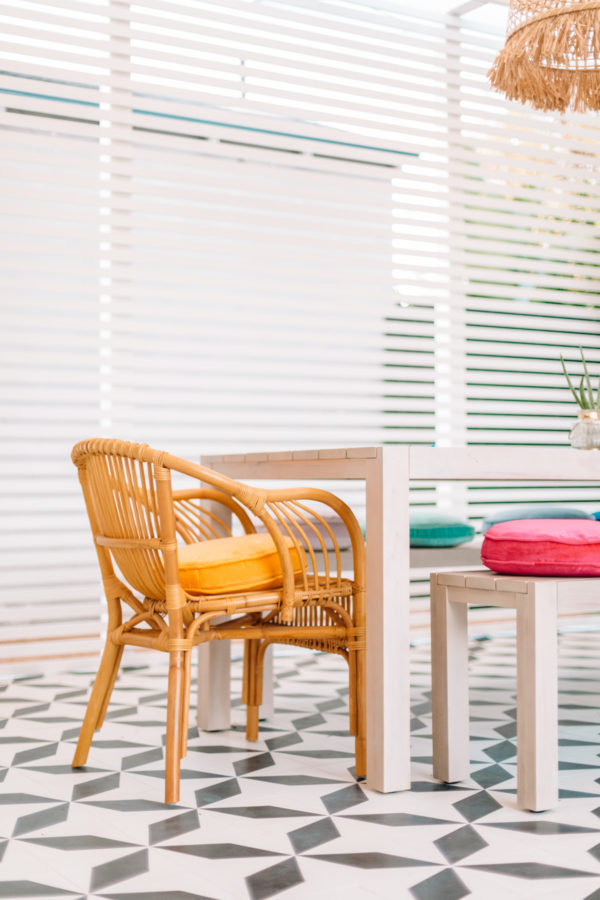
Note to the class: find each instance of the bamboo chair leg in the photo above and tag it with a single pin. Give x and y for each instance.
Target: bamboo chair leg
(185, 705)
(253, 658)
(110, 686)
(174, 717)
(252, 714)
(361, 714)
(99, 700)
(246, 671)
(352, 694)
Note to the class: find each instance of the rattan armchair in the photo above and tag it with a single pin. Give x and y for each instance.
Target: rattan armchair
(141, 527)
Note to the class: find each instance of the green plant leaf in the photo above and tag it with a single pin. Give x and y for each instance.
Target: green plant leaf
(569, 382)
(587, 380)
(582, 398)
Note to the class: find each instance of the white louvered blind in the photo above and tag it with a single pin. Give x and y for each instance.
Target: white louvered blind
(241, 225)
(524, 269)
(519, 248)
(53, 62)
(256, 261)
(255, 253)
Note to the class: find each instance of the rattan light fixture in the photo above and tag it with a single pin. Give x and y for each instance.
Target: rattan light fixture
(551, 58)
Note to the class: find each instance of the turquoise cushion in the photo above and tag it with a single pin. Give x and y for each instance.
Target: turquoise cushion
(430, 528)
(543, 511)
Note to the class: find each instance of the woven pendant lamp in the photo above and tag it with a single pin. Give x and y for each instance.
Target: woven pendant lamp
(551, 58)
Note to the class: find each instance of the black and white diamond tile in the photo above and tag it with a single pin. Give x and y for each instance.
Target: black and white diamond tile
(285, 817)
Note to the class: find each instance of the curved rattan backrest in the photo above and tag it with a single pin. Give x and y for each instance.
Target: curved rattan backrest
(119, 481)
(137, 518)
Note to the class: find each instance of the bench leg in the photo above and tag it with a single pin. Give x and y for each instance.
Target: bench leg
(450, 691)
(537, 698)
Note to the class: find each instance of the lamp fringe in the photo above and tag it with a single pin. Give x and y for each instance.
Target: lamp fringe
(553, 62)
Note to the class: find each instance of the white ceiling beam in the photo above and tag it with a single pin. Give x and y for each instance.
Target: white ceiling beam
(469, 5)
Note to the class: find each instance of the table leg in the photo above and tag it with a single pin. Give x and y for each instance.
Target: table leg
(214, 665)
(388, 639)
(449, 685)
(214, 686)
(537, 697)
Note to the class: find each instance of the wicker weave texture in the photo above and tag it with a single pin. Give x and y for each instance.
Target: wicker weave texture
(522, 12)
(551, 58)
(138, 521)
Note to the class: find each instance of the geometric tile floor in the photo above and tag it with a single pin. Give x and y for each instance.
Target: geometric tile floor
(285, 817)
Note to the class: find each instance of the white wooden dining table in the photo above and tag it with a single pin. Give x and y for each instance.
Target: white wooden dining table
(388, 472)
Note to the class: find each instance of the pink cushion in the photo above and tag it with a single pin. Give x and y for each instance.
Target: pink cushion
(543, 547)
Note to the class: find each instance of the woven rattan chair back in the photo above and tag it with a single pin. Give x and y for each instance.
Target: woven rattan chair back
(138, 520)
(123, 496)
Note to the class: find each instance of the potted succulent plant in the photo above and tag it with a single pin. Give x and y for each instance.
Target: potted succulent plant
(585, 433)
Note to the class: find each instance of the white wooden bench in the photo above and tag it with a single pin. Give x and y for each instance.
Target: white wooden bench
(537, 602)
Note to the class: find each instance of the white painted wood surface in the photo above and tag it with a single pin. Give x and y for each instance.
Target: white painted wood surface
(450, 695)
(536, 601)
(388, 631)
(214, 686)
(537, 696)
(503, 464)
(388, 472)
(213, 712)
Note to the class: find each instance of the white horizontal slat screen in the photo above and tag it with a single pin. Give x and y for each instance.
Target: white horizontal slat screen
(264, 224)
(524, 271)
(253, 284)
(251, 145)
(520, 251)
(51, 339)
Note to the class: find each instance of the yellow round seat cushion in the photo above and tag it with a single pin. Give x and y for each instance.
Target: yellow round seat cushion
(228, 565)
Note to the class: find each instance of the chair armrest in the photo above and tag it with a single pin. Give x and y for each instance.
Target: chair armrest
(250, 497)
(284, 514)
(293, 509)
